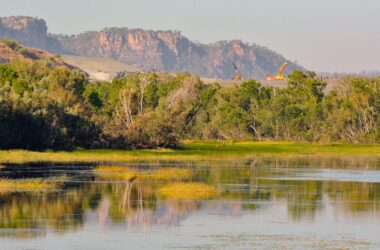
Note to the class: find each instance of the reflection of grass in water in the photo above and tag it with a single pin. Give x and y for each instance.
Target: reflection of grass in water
(187, 191)
(126, 173)
(192, 150)
(30, 185)
(171, 174)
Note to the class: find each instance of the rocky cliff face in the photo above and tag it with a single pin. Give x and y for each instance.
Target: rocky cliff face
(160, 50)
(29, 31)
(170, 51)
(146, 49)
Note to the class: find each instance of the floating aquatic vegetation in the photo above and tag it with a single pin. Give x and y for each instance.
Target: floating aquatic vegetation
(126, 173)
(188, 191)
(30, 185)
(115, 172)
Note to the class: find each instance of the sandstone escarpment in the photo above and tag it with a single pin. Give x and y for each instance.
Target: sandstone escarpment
(147, 49)
(29, 31)
(170, 51)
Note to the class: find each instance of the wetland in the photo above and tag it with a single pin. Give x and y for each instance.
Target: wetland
(264, 201)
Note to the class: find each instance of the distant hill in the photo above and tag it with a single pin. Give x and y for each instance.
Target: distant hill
(103, 69)
(160, 50)
(172, 52)
(11, 50)
(30, 31)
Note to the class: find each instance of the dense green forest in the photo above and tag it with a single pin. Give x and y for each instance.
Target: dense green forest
(52, 107)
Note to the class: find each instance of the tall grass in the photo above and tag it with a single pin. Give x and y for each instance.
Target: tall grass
(191, 150)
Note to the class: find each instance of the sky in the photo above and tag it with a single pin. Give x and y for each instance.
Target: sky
(321, 35)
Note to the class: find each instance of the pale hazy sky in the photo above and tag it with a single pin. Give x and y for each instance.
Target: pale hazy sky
(323, 35)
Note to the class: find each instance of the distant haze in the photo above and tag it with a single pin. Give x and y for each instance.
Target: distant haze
(339, 35)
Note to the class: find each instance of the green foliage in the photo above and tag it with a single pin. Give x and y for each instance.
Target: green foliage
(13, 44)
(42, 107)
(20, 86)
(92, 96)
(27, 53)
(151, 96)
(7, 73)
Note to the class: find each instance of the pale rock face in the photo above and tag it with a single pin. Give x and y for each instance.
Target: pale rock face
(172, 41)
(238, 49)
(29, 31)
(140, 41)
(110, 45)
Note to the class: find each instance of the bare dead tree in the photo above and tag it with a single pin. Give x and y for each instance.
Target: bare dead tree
(144, 81)
(124, 113)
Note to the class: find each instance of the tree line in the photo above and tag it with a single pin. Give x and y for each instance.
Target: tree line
(48, 107)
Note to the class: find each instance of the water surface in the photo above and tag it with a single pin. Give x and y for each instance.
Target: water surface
(263, 203)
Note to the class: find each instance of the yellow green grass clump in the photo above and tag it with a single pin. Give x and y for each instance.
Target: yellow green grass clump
(194, 151)
(126, 173)
(29, 185)
(115, 172)
(187, 191)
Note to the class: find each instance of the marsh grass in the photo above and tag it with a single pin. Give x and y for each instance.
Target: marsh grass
(30, 185)
(187, 191)
(126, 173)
(115, 173)
(191, 150)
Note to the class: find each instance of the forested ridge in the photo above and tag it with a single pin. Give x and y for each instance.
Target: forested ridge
(45, 106)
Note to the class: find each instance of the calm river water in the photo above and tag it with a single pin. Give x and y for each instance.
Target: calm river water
(260, 203)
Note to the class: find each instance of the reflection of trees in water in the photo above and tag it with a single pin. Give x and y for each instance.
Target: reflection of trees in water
(30, 215)
(304, 198)
(355, 196)
(357, 162)
(241, 187)
(135, 203)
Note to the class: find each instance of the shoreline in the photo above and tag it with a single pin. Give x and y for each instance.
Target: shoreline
(191, 151)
